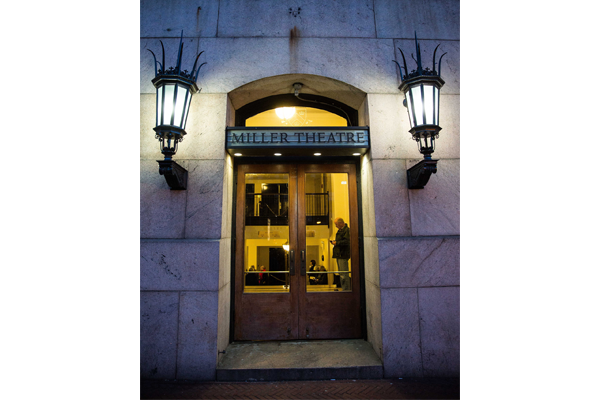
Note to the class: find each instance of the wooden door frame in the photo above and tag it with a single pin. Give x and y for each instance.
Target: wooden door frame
(238, 211)
(306, 322)
(279, 299)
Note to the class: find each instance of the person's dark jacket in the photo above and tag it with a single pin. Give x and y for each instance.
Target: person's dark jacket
(342, 243)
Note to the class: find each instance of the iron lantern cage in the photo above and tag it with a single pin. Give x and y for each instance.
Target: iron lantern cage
(421, 88)
(174, 91)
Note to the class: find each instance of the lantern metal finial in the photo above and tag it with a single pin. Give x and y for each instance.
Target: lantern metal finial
(191, 76)
(174, 90)
(421, 88)
(420, 71)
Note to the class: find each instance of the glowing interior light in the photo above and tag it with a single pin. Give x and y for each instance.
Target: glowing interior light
(317, 154)
(356, 154)
(344, 182)
(277, 154)
(237, 154)
(285, 112)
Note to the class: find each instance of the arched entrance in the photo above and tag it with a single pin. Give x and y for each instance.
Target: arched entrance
(290, 280)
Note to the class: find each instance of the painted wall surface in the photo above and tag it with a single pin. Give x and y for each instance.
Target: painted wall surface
(411, 237)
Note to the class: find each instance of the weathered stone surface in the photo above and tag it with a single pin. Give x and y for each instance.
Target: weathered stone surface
(225, 288)
(368, 209)
(149, 145)
(390, 126)
(439, 309)
(392, 211)
(237, 61)
(167, 18)
(435, 210)
(162, 210)
(205, 199)
(371, 251)
(197, 350)
(448, 144)
(373, 303)
(205, 128)
(434, 19)
(416, 327)
(147, 73)
(311, 18)
(227, 197)
(450, 71)
(400, 333)
(312, 84)
(224, 262)
(419, 262)
(179, 265)
(158, 334)
(363, 63)
(224, 318)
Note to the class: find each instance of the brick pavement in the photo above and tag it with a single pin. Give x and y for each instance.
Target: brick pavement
(333, 389)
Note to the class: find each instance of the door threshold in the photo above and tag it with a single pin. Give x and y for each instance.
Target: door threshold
(299, 360)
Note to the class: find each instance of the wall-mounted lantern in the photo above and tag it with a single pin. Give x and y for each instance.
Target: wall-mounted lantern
(174, 91)
(421, 88)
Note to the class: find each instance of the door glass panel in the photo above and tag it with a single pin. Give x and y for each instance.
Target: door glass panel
(327, 201)
(266, 234)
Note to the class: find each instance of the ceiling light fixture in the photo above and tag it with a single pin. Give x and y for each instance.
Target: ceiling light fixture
(285, 112)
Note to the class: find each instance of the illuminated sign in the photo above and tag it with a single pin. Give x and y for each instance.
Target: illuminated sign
(253, 141)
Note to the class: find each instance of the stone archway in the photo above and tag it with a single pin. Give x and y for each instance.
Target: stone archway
(312, 85)
(318, 86)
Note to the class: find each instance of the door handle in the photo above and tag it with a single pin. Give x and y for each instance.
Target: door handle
(302, 263)
(291, 259)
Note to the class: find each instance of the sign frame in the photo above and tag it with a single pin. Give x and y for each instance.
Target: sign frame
(297, 141)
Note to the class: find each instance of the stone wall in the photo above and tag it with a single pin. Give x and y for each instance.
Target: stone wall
(411, 237)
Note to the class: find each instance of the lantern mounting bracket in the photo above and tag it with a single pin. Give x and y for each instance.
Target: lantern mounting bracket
(174, 173)
(418, 175)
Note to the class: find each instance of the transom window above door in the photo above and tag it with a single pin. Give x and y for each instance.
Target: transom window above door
(296, 116)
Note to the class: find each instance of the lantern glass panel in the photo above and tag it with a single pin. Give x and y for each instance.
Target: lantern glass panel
(436, 106)
(179, 106)
(410, 109)
(428, 104)
(159, 101)
(186, 110)
(169, 92)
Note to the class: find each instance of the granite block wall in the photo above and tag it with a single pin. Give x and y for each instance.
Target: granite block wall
(411, 237)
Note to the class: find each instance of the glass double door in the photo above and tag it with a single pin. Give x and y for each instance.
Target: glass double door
(296, 253)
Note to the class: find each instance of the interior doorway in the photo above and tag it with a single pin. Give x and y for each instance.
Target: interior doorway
(288, 282)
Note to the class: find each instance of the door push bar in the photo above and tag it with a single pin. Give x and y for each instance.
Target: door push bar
(302, 264)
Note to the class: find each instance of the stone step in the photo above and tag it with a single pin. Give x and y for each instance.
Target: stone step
(299, 360)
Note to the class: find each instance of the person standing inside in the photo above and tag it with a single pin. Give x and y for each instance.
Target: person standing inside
(341, 251)
(312, 278)
(262, 279)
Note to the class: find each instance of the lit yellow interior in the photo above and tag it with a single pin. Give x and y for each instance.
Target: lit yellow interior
(301, 116)
(258, 239)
